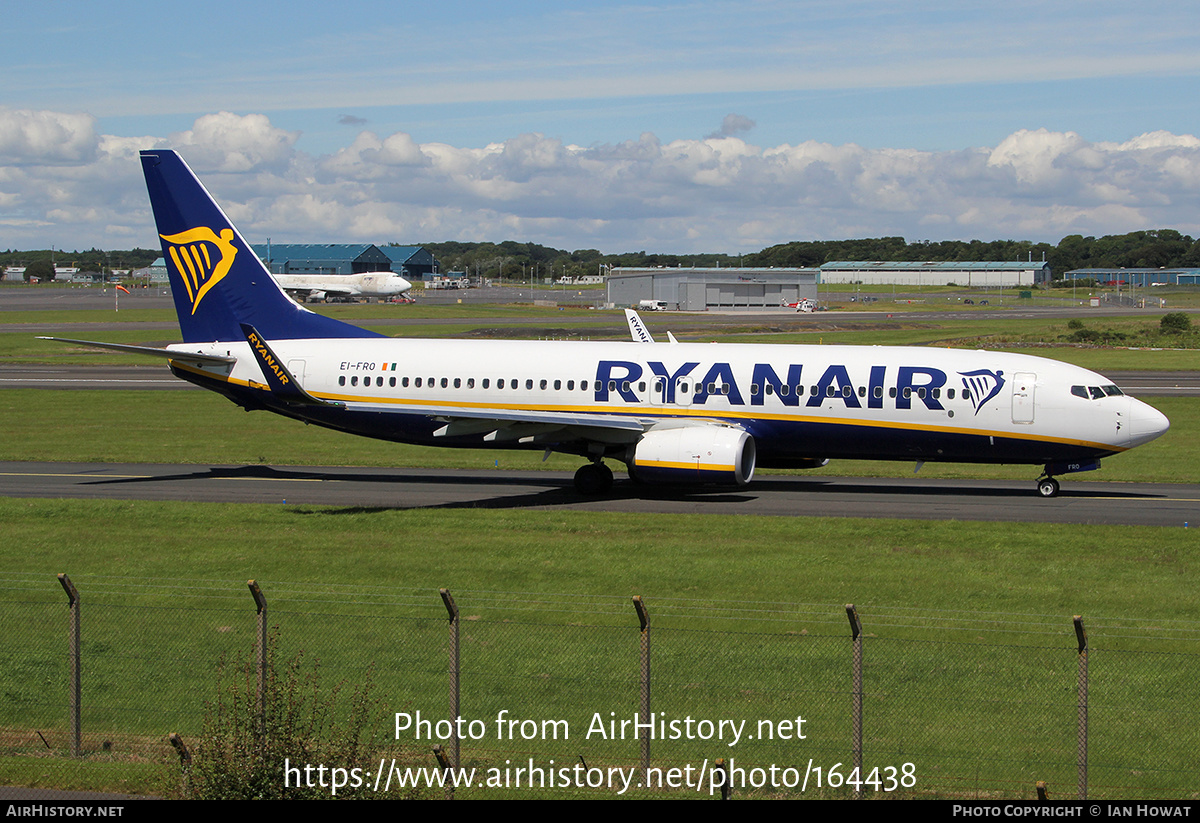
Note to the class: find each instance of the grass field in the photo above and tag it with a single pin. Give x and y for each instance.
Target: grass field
(968, 628)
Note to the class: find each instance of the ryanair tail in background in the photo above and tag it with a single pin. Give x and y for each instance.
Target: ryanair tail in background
(217, 281)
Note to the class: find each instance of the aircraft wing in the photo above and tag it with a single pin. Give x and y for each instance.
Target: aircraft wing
(522, 424)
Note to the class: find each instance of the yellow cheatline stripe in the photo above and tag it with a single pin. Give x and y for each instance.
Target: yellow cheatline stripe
(675, 412)
(664, 464)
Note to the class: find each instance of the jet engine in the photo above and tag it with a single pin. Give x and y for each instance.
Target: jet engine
(713, 454)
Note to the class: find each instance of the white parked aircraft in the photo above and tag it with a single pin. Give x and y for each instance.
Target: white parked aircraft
(672, 412)
(319, 287)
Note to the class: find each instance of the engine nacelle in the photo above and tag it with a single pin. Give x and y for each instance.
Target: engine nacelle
(718, 455)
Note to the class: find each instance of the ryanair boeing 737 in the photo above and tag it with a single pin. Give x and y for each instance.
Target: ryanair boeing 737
(671, 412)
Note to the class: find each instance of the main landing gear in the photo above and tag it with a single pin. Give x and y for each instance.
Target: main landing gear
(593, 479)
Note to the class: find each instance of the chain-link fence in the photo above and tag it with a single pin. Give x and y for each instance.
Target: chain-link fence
(486, 694)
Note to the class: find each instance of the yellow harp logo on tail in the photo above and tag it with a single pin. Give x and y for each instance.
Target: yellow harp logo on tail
(201, 258)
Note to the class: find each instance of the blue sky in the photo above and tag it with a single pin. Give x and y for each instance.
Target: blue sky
(616, 126)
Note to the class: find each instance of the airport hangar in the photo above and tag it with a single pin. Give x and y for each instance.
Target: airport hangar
(703, 289)
(410, 262)
(957, 273)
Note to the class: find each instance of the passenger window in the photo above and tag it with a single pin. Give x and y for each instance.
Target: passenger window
(754, 389)
(950, 394)
(724, 388)
(529, 385)
(486, 383)
(457, 383)
(642, 386)
(404, 382)
(862, 391)
(966, 394)
(921, 392)
(391, 382)
(570, 385)
(500, 383)
(342, 380)
(847, 391)
(542, 385)
(878, 392)
(892, 391)
(354, 380)
(445, 382)
(557, 385)
(470, 382)
(768, 388)
(516, 384)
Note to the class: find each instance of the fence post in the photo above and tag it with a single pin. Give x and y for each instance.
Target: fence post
(856, 692)
(455, 694)
(73, 641)
(1082, 711)
(647, 720)
(260, 604)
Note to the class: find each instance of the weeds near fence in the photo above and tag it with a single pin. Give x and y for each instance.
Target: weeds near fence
(253, 737)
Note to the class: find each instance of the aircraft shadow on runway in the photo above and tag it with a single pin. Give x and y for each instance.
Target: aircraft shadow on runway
(559, 491)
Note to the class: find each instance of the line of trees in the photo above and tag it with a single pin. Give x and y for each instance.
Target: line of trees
(1155, 248)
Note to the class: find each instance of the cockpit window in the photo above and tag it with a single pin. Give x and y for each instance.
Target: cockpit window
(1096, 392)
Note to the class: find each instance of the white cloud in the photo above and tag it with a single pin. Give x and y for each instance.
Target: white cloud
(227, 142)
(717, 194)
(45, 137)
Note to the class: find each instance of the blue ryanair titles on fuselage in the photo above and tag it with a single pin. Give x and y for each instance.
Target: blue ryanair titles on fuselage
(899, 385)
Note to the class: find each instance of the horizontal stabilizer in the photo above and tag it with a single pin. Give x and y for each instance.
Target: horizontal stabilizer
(170, 354)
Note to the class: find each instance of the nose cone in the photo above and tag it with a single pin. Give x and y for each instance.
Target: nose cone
(1145, 423)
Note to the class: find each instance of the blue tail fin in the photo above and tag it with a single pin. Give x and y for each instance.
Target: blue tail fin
(217, 281)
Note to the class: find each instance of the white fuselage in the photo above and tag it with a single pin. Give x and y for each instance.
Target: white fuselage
(797, 401)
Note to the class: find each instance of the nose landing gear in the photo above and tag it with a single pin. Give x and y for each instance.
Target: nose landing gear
(1047, 486)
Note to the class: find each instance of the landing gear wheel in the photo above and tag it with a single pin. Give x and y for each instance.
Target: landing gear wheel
(593, 479)
(1047, 487)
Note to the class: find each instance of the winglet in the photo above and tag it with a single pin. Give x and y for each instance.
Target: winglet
(281, 381)
(637, 328)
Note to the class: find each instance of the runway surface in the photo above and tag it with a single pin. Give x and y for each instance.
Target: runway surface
(907, 498)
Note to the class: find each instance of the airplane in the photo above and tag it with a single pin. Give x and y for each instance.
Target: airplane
(324, 287)
(673, 412)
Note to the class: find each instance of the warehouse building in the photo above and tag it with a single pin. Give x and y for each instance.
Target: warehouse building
(1139, 278)
(966, 274)
(700, 289)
